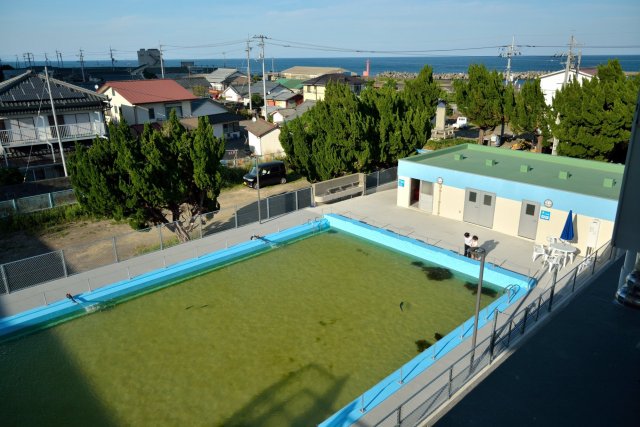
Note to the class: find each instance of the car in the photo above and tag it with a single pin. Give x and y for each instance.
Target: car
(269, 173)
(461, 123)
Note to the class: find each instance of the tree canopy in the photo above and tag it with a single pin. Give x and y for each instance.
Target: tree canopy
(594, 118)
(481, 98)
(530, 113)
(163, 171)
(345, 133)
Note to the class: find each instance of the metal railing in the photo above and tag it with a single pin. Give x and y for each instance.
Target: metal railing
(28, 272)
(40, 135)
(506, 329)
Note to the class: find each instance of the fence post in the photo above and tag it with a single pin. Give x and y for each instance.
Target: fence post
(524, 320)
(235, 214)
(160, 234)
(377, 179)
(595, 260)
(4, 278)
(64, 263)
(450, 381)
(268, 216)
(509, 333)
(50, 200)
(296, 193)
(575, 275)
(201, 225)
(115, 249)
(492, 342)
(538, 309)
(553, 289)
(14, 205)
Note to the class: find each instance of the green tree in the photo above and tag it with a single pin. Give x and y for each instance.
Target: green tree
(531, 112)
(594, 119)
(481, 98)
(160, 178)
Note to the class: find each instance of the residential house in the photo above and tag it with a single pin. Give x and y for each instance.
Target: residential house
(287, 114)
(552, 82)
(221, 78)
(264, 137)
(225, 124)
(197, 85)
(26, 116)
(314, 89)
(294, 85)
(240, 93)
(145, 101)
(305, 73)
(284, 99)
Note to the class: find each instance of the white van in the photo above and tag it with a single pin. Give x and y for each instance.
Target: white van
(460, 123)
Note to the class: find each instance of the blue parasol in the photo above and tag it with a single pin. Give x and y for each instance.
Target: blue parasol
(567, 231)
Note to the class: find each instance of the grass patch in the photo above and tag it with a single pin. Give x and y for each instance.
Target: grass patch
(166, 243)
(45, 220)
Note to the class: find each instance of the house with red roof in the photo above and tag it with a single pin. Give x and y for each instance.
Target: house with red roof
(147, 101)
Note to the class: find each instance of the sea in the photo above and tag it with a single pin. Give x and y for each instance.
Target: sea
(377, 65)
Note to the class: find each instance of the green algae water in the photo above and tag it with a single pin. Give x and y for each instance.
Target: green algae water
(285, 338)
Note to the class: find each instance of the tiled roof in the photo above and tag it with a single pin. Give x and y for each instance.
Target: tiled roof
(260, 127)
(191, 82)
(28, 94)
(221, 74)
(149, 91)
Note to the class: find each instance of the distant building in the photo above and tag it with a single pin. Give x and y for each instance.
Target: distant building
(221, 78)
(264, 137)
(314, 89)
(553, 82)
(287, 114)
(149, 57)
(305, 73)
(240, 93)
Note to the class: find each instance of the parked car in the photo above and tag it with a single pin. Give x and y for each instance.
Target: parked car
(269, 173)
(461, 123)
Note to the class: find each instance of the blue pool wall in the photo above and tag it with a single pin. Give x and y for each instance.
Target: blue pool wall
(517, 283)
(66, 309)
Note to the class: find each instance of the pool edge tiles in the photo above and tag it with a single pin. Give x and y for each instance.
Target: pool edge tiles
(45, 316)
(371, 398)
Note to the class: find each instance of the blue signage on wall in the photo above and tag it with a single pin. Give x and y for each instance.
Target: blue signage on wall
(401, 183)
(546, 215)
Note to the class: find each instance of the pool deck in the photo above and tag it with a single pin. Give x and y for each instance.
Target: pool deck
(378, 209)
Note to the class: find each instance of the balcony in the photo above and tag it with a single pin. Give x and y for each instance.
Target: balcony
(45, 135)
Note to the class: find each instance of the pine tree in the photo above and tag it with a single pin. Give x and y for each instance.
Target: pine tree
(531, 112)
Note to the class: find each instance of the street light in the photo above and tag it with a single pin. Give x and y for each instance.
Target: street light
(482, 253)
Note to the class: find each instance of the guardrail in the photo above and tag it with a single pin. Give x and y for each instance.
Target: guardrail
(39, 135)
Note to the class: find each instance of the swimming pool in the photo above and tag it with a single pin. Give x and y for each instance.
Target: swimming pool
(330, 329)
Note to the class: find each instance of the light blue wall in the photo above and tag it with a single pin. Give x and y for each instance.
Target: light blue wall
(562, 200)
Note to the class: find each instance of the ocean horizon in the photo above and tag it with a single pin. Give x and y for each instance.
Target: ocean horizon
(378, 65)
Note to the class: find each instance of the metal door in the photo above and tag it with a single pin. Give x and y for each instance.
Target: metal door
(479, 207)
(426, 196)
(529, 213)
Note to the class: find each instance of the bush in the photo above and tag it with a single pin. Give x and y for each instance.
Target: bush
(436, 144)
(232, 176)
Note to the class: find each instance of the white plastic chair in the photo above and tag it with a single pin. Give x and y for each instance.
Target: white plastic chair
(538, 250)
(554, 260)
(552, 240)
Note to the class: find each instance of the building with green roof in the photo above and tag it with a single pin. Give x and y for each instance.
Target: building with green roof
(517, 193)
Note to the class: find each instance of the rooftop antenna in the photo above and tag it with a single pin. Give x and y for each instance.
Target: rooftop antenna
(46, 60)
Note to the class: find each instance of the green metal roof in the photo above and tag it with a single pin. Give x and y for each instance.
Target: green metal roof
(563, 173)
(290, 83)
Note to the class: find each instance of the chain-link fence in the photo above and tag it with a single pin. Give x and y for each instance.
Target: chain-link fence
(77, 259)
(37, 203)
(504, 330)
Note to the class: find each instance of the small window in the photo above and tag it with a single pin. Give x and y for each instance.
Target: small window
(472, 196)
(487, 200)
(530, 210)
(152, 114)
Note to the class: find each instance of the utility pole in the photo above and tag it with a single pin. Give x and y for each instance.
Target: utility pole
(510, 52)
(28, 58)
(567, 71)
(55, 122)
(264, 81)
(59, 55)
(81, 68)
(17, 62)
(161, 62)
(249, 74)
(113, 61)
(46, 60)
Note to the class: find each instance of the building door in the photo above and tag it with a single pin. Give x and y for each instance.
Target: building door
(479, 207)
(529, 213)
(426, 196)
(415, 192)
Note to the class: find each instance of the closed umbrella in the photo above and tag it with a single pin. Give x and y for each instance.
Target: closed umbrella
(567, 231)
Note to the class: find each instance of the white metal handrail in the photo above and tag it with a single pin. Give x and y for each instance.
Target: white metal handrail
(47, 134)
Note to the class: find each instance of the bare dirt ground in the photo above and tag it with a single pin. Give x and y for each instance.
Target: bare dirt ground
(82, 235)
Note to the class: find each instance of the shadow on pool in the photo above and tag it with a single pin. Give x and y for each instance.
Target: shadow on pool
(283, 404)
(42, 385)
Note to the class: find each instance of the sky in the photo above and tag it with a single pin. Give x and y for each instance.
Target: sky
(195, 29)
